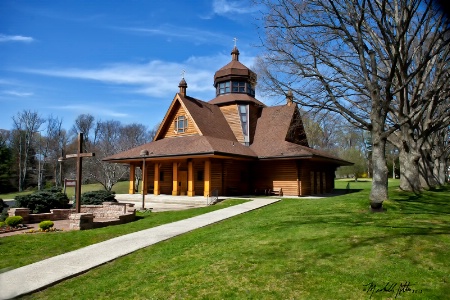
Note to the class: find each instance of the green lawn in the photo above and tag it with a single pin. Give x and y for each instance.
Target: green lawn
(119, 188)
(330, 248)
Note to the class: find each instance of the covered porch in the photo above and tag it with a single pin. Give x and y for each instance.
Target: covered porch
(193, 176)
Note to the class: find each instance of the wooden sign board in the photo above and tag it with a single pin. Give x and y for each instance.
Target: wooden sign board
(70, 182)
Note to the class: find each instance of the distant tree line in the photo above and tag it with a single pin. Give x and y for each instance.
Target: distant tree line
(32, 152)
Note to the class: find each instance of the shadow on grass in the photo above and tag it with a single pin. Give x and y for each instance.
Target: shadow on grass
(408, 215)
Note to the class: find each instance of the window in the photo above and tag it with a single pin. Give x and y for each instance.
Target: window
(235, 87)
(161, 176)
(224, 87)
(238, 87)
(200, 176)
(243, 113)
(180, 124)
(250, 90)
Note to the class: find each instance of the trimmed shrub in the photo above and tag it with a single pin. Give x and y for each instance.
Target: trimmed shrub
(14, 221)
(44, 225)
(97, 197)
(43, 201)
(2, 224)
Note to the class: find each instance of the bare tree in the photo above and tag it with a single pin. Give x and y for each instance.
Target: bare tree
(352, 57)
(26, 125)
(49, 147)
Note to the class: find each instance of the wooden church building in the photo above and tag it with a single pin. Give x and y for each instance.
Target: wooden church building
(230, 145)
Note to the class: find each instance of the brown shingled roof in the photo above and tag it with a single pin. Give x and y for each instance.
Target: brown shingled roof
(270, 137)
(186, 145)
(208, 118)
(235, 97)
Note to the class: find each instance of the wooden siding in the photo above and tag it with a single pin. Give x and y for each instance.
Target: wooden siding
(304, 177)
(232, 116)
(216, 176)
(315, 178)
(166, 185)
(169, 127)
(199, 185)
(275, 175)
(236, 177)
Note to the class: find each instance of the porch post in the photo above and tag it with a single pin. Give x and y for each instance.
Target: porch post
(191, 191)
(175, 191)
(144, 179)
(132, 179)
(156, 182)
(207, 179)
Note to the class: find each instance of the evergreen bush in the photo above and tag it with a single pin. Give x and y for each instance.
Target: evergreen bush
(43, 201)
(3, 210)
(97, 197)
(14, 221)
(44, 225)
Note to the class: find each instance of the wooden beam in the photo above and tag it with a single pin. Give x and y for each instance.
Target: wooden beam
(132, 179)
(207, 179)
(144, 179)
(191, 191)
(79, 156)
(175, 189)
(156, 182)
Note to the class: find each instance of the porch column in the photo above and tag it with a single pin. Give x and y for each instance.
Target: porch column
(175, 190)
(132, 179)
(144, 179)
(207, 179)
(191, 191)
(156, 182)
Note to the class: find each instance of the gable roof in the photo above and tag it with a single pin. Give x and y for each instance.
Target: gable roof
(185, 146)
(207, 118)
(270, 140)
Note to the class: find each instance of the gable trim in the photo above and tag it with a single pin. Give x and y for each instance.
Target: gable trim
(176, 99)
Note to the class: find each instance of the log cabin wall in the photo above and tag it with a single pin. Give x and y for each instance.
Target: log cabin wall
(236, 179)
(231, 114)
(276, 174)
(165, 183)
(216, 176)
(150, 177)
(316, 177)
(199, 175)
(304, 177)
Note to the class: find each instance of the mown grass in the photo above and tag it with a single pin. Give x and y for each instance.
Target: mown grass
(23, 249)
(329, 248)
(119, 188)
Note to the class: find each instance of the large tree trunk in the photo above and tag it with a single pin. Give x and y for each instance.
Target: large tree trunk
(428, 169)
(409, 170)
(438, 171)
(379, 191)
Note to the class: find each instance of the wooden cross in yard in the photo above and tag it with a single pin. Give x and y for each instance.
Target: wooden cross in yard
(79, 156)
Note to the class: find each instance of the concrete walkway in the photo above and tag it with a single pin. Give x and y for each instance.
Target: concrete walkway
(45, 273)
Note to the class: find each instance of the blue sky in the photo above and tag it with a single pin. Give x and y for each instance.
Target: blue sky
(114, 59)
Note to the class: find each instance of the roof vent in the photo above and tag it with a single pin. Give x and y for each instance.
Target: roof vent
(143, 153)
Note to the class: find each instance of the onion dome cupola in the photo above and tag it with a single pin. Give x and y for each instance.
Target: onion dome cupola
(235, 77)
(183, 86)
